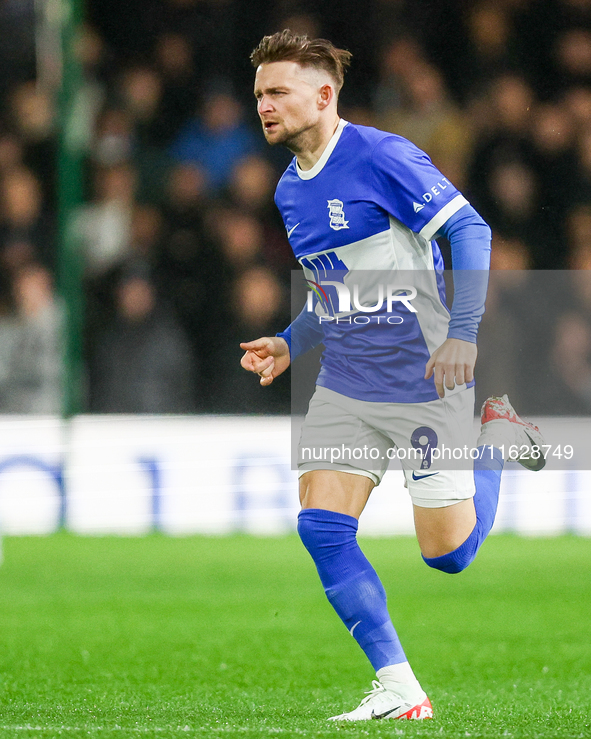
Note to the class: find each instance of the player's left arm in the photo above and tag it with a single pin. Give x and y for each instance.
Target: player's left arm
(469, 237)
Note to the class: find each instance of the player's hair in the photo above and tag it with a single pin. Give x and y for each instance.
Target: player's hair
(285, 46)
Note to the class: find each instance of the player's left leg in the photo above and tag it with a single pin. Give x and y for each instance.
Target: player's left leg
(438, 529)
(450, 536)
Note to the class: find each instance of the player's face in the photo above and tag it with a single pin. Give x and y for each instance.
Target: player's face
(287, 100)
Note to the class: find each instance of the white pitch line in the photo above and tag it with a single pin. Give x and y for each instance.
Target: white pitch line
(156, 729)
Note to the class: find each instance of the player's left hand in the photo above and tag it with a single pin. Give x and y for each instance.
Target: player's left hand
(453, 362)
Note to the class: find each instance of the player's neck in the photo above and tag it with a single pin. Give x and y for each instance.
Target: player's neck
(309, 148)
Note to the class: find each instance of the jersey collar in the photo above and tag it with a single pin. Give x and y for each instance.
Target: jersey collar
(308, 174)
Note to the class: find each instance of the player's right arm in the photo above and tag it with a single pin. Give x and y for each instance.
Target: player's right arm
(303, 334)
(268, 357)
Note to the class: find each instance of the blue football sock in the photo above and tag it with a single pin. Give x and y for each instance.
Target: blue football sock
(487, 480)
(350, 583)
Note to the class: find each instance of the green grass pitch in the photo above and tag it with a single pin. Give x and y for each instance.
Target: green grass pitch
(216, 637)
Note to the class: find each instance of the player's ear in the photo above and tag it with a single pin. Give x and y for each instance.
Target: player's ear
(326, 95)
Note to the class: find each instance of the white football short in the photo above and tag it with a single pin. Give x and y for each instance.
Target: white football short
(433, 442)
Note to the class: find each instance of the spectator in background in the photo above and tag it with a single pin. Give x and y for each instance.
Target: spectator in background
(252, 186)
(503, 116)
(584, 165)
(504, 180)
(217, 138)
(146, 232)
(578, 227)
(17, 51)
(11, 152)
(185, 199)
(174, 61)
(577, 100)
(113, 139)
(398, 61)
(188, 264)
(256, 302)
(553, 136)
(208, 27)
(571, 366)
(491, 46)
(188, 260)
(14, 250)
(504, 329)
(30, 346)
(145, 235)
(25, 233)
(426, 116)
(91, 94)
(549, 55)
(32, 116)
(516, 211)
(142, 363)
(140, 90)
(573, 56)
(567, 390)
(239, 245)
(105, 225)
(117, 143)
(241, 239)
(251, 190)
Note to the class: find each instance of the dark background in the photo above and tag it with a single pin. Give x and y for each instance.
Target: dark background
(185, 254)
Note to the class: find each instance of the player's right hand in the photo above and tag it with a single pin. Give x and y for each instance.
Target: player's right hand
(268, 357)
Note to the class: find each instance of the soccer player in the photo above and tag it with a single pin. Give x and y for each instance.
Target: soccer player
(356, 199)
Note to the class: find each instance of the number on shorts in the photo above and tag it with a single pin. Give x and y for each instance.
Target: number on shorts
(425, 439)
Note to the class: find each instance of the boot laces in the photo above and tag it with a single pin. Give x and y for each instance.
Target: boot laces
(377, 688)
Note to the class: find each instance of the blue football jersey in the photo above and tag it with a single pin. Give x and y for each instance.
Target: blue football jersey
(360, 222)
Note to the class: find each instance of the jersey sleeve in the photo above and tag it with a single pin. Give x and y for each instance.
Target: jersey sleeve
(302, 334)
(469, 237)
(409, 187)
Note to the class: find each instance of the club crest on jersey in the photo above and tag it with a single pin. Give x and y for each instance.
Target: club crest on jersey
(337, 215)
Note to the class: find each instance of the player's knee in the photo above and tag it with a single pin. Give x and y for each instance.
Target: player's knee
(324, 531)
(453, 562)
(308, 530)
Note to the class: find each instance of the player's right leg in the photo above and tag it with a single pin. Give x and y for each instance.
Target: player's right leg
(331, 504)
(333, 495)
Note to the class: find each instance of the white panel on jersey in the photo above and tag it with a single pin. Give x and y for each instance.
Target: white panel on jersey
(398, 250)
(375, 252)
(412, 250)
(430, 229)
(432, 315)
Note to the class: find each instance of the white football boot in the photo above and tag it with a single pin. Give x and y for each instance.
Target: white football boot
(383, 703)
(502, 427)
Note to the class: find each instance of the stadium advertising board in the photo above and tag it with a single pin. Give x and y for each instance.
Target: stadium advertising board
(218, 475)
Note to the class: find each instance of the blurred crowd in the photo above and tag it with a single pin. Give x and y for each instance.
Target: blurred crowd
(185, 253)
